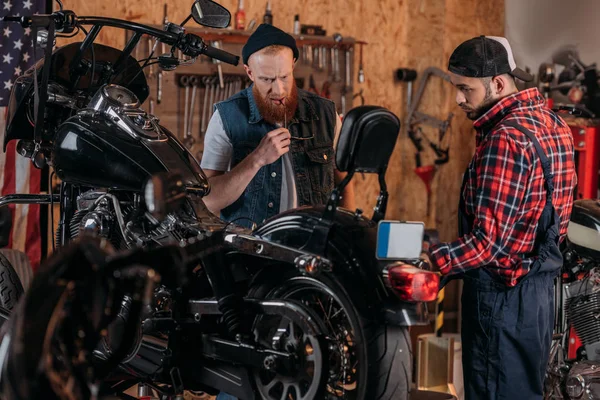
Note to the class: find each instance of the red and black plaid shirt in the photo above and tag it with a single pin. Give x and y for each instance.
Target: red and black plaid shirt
(504, 192)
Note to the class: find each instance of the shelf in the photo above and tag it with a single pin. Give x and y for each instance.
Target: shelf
(241, 37)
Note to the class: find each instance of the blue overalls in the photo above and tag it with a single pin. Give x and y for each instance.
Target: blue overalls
(507, 331)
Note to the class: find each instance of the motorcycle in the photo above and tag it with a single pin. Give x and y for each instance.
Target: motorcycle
(149, 288)
(573, 370)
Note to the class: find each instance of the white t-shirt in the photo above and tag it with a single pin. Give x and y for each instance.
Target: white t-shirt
(218, 152)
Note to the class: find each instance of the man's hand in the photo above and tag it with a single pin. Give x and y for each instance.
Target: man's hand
(275, 144)
(425, 254)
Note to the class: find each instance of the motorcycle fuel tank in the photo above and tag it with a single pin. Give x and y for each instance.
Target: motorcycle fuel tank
(584, 228)
(113, 144)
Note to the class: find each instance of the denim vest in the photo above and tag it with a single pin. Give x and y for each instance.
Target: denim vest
(312, 159)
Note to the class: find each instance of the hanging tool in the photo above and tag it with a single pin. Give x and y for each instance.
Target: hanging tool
(213, 89)
(136, 53)
(205, 81)
(343, 94)
(337, 38)
(316, 57)
(150, 53)
(304, 55)
(159, 77)
(322, 58)
(347, 88)
(407, 75)
(361, 72)
(217, 44)
(416, 135)
(219, 94)
(348, 68)
(159, 80)
(360, 95)
(189, 139)
(165, 22)
(332, 65)
(415, 117)
(184, 82)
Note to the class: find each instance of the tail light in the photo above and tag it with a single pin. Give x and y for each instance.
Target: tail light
(410, 283)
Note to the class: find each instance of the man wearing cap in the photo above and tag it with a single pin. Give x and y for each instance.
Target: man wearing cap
(515, 205)
(270, 147)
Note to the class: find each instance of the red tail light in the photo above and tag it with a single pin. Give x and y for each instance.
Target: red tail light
(411, 283)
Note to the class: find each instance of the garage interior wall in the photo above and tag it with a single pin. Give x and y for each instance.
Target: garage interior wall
(537, 28)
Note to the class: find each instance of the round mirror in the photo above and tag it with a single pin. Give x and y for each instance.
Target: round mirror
(211, 14)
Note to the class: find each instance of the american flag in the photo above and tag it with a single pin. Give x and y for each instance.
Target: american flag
(17, 174)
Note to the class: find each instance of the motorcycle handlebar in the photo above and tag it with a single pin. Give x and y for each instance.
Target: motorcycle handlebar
(191, 45)
(221, 55)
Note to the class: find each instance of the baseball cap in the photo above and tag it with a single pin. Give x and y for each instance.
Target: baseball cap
(485, 56)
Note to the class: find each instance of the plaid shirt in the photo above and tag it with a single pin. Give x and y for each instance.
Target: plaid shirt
(504, 190)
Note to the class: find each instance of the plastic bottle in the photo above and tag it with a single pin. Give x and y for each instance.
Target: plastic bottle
(240, 16)
(296, 24)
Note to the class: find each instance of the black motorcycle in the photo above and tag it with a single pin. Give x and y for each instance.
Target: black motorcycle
(148, 287)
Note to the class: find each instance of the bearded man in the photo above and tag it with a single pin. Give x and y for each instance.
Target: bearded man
(271, 147)
(515, 204)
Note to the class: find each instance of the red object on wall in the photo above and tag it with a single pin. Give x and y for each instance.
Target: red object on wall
(587, 159)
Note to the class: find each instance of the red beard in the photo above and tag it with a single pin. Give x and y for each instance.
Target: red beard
(276, 113)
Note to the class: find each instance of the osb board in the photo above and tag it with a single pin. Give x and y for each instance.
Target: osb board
(401, 33)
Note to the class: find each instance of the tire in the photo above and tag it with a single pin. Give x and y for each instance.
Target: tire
(390, 362)
(21, 265)
(382, 353)
(11, 288)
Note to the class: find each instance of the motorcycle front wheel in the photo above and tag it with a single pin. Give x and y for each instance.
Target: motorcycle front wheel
(365, 359)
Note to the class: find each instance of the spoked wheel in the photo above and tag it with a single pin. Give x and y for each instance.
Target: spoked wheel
(361, 359)
(340, 367)
(307, 381)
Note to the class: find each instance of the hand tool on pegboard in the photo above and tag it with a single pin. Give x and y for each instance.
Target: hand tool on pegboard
(347, 88)
(205, 105)
(337, 38)
(361, 72)
(151, 48)
(217, 44)
(159, 75)
(213, 89)
(189, 139)
(359, 94)
(184, 82)
(414, 118)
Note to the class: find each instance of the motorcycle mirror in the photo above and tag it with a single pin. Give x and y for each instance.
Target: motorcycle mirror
(164, 193)
(210, 14)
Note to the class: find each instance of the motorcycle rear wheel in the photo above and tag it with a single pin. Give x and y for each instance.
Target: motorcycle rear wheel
(367, 360)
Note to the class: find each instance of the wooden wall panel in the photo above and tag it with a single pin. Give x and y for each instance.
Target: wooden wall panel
(401, 33)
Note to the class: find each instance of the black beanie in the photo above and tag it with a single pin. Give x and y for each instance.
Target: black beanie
(267, 35)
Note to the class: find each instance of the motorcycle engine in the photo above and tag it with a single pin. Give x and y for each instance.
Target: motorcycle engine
(582, 307)
(121, 220)
(583, 381)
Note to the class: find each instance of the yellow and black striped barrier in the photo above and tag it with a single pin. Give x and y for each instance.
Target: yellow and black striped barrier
(439, 313)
